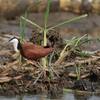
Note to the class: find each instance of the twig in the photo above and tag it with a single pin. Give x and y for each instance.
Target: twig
(61, 58)
(94, 58)
(75, 76)
(37, 78)
(55, 72)
(8, 67)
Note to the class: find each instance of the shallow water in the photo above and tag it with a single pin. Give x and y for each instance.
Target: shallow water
(65, 96)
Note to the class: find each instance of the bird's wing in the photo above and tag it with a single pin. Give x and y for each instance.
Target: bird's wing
(34, 54)
(29, 45)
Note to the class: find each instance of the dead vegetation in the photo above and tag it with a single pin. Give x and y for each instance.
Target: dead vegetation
(69, 65)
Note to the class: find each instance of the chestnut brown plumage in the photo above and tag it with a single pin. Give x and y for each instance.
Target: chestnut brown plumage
(34, 52)
(30, 50)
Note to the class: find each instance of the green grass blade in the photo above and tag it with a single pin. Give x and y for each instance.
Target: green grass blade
(68, 21)
(47, 13)
(24, 24)
(23, 27)
(79, 39)
(44, 60)
(20, 29)
(33, 23)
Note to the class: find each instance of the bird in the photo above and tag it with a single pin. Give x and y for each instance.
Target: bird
(29, 50)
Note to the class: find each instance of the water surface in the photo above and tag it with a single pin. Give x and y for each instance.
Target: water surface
(65, 96)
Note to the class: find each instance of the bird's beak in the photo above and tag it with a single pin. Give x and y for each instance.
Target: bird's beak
(9, 40)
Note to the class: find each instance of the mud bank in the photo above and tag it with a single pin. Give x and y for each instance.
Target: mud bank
(32, 77)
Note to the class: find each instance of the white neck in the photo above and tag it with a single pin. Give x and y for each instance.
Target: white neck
(15, 44)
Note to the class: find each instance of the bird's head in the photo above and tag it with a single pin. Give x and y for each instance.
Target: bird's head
(15, 42)
(13, 39)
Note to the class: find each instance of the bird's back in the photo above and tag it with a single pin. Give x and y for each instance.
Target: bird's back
(33, 52)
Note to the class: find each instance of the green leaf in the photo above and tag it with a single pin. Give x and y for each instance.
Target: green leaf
(68, 21)
(31, 22)
(47, 13)
(23, 27)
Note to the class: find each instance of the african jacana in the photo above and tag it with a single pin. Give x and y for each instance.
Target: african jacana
(29, 50)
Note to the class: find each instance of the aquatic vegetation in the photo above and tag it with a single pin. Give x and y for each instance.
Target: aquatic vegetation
(71, 63)
(46, 29)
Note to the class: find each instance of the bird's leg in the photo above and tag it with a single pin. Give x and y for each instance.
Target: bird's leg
(16, 55)
(18, 58)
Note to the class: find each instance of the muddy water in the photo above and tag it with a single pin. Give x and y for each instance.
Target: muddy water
(65, 96)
